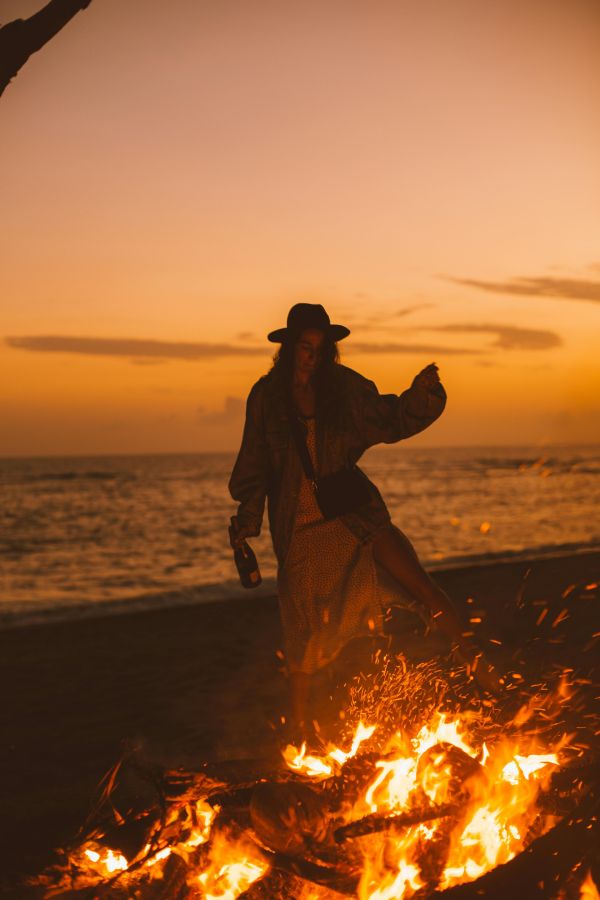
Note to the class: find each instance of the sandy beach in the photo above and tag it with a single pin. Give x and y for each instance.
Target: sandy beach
(203, 683)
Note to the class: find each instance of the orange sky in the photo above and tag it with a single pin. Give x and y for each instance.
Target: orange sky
(182, 172)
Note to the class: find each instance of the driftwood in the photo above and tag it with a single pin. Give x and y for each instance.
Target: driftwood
(21, 38)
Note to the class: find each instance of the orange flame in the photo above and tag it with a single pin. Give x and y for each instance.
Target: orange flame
(320, 767)
(106, 862)
(234, 866)
(478, 800)
(588, 889)
(495, 800)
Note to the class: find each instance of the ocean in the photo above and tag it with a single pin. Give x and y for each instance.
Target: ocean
(86, 535)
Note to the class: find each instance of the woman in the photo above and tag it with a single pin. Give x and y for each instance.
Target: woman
(329, 592)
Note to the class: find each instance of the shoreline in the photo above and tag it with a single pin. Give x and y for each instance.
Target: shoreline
(201, 683)
(231, 592)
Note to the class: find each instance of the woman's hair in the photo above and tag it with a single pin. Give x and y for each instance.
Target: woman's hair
(283, 361)
(324, 377)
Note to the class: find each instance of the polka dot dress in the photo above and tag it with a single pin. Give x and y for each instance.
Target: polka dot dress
(329, 592)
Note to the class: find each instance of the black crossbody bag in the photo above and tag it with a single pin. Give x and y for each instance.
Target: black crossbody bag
(339, 493)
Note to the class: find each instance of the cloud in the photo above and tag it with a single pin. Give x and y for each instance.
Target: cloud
(247, 336)
(152, 352)
(406, 310)
(390, 347)
(135, 349)
(508, 337)
(233, 411)
(386, 316)
(558, 288)
(148, 352)
(380, 320)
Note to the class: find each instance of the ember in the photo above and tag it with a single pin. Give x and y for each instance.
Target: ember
(415, 802)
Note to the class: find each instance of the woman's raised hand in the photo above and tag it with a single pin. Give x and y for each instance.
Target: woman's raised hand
(427, 379)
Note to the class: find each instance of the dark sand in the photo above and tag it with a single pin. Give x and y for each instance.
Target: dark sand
(204, 683)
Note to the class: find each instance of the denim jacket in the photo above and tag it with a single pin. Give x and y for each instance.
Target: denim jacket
(353, 417)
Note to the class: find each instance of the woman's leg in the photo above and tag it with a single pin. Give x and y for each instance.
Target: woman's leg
(394, 552)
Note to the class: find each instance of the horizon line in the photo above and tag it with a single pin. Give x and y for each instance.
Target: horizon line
(387, 447)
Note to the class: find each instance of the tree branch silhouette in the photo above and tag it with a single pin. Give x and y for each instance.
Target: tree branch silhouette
(22, 37)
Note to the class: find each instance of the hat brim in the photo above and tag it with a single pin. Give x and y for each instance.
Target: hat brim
(335, 332)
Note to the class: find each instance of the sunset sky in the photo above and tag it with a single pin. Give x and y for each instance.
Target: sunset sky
(175, 175)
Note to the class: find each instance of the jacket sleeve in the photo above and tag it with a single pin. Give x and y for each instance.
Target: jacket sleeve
(387, 418)
(248, 482)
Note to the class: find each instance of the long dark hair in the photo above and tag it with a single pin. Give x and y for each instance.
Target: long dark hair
(326, 394)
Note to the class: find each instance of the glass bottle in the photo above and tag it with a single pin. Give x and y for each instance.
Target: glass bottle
(245, 559)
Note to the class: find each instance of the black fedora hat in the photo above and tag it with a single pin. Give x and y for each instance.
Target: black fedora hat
(308, 315)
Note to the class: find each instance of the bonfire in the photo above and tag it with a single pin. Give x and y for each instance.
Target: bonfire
(424, 795)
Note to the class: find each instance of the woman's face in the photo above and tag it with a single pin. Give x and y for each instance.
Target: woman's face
(308, 351)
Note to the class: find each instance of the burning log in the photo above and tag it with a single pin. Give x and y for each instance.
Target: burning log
(289, 817)
(379, 822)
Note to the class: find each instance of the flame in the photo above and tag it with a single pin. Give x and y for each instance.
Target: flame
(524, 766)
(491, 790)
(107, 862)
(495, 788)
(205, 816)
(234, 866)
(442, 732)
(363, 733)
(320, 767)
(475, 804)
(494, 801)
(407, 876)
(588, 889)
(397, 777)
(313, 766)
(392, 873)
(485, 842)
(162, 854)
(501, 812)
(401, 775)
(97, 862)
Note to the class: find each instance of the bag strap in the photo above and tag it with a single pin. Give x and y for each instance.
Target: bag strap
(300, 442)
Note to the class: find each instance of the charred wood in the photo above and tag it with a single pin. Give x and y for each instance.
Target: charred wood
(289, 817)
(340, 880)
